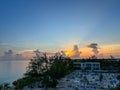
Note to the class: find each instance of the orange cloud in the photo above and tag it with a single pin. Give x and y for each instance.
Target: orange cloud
(104, 51)
(86, 52)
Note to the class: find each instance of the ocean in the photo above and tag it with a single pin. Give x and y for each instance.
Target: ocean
(12, 70)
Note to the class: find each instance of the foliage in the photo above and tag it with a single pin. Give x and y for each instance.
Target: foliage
(101, 77)
(5, 86)
(116, 88)
(21, 83)
(118, 77)
(37, 66)
(46, 70)
(119, 66)
(1, 86)
(59, 68)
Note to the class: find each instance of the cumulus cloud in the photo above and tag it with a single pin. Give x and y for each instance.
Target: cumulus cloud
(94, 47)
(8, 54)
(75, 52)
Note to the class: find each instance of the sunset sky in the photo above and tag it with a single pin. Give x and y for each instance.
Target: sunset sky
(58, 25)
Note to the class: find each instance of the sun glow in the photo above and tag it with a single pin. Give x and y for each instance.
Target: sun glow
(68, 53)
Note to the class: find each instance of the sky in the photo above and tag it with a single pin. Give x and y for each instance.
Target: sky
(50, 26)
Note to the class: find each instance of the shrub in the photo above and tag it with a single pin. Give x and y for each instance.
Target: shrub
(44, 69)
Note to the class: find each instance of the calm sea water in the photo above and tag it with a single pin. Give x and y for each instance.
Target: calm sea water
(12, 70)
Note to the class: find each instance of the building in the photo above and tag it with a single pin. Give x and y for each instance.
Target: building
(89, 66)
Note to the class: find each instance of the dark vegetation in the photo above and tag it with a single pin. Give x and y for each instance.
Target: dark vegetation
(118, 87)
(5, 86)
(106, 64)
(44, 72)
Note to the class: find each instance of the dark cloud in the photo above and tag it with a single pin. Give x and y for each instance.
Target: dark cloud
(8, 53)
(76, 52)
(94, 47)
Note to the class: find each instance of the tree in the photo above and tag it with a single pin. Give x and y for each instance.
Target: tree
(37, 66)
(59, 68)
(6, 86)
(119, 66)
(45, 70)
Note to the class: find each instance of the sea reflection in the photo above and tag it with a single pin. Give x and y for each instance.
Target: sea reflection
(12, 70)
